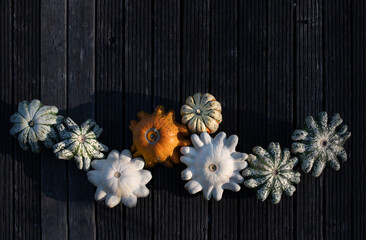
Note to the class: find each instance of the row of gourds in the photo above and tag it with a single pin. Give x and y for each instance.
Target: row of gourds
(213, 164)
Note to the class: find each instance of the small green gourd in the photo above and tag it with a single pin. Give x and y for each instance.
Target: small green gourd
(270, 172)
(34, 125)
(79, 143)
(320, 144)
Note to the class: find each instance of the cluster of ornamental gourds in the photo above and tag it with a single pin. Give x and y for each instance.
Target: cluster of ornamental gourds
(213, 164)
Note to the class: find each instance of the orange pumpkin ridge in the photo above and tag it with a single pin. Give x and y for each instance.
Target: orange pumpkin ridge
(158, 137)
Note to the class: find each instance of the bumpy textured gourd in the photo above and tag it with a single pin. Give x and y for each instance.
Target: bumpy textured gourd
(320, 144)
(202, 113)
(213, 165)
(119, 178)
(157, 137)
(270, 172)
(34, 125)
(79, 143)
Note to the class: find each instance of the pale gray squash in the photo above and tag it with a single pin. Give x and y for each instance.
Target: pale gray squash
(120, 178)
(34, 125)
(271, 173)
(201, 113)
(320, 144)
(213, 165)
(79, 143)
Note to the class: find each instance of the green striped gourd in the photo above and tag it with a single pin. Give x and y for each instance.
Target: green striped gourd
(34, 125)
(79, 143)
(320, 144)
(201, 113)
(270, 172)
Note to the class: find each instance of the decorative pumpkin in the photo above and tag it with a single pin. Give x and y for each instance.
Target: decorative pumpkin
(33, 124)
(202, 113)
(271, 172)
(157, 137)
(119, 177)
(79, 143)
(319, 144)
(213, 165)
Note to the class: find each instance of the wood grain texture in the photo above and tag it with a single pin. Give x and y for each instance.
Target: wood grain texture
(109, 94)
(223, 70)
(6, 109)
(309, 96)
(166, 92)
(194, 63)
(337, 97)
(280, 74)
(53, 83)
(358, 119)
(252, 59)
(138, 97)
(81, 106)
(26, 72)
(270, 63)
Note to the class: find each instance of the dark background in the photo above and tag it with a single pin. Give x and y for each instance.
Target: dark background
(269, 62)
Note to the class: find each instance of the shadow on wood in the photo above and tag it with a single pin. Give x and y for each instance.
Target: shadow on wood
(107, 137)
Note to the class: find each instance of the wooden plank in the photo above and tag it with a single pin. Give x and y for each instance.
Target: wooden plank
(53, 83)
(138, 91)
(166, 92)
(27, 164)
(195, 20)
(337, 95)
(357, 127)
(309, 94)
(223, 70)
(252, 59)
(109, 101)
(26, 60)
(81, 106)
(6, 109)
(280, 104)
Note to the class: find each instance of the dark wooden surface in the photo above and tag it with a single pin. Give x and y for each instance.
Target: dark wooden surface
(269, 62)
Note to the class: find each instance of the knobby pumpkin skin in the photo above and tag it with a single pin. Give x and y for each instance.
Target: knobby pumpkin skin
(158, 137)
(201, 113)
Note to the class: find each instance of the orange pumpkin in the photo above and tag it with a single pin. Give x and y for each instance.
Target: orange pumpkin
(158, 137)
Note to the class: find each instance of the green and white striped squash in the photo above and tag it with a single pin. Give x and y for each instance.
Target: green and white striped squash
(34, 125)
(320, 144)
(79, 143)
(270, 172)
(201, 113)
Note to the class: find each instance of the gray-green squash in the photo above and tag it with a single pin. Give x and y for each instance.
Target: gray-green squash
(201, 113)
(271, 173)
(320, 144)
(79, 143)
(34, 125)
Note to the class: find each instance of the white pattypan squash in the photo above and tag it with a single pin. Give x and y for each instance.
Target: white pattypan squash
(79, 143)
(213, 165)
(202, 113)
(120, 178)
(33, 124)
